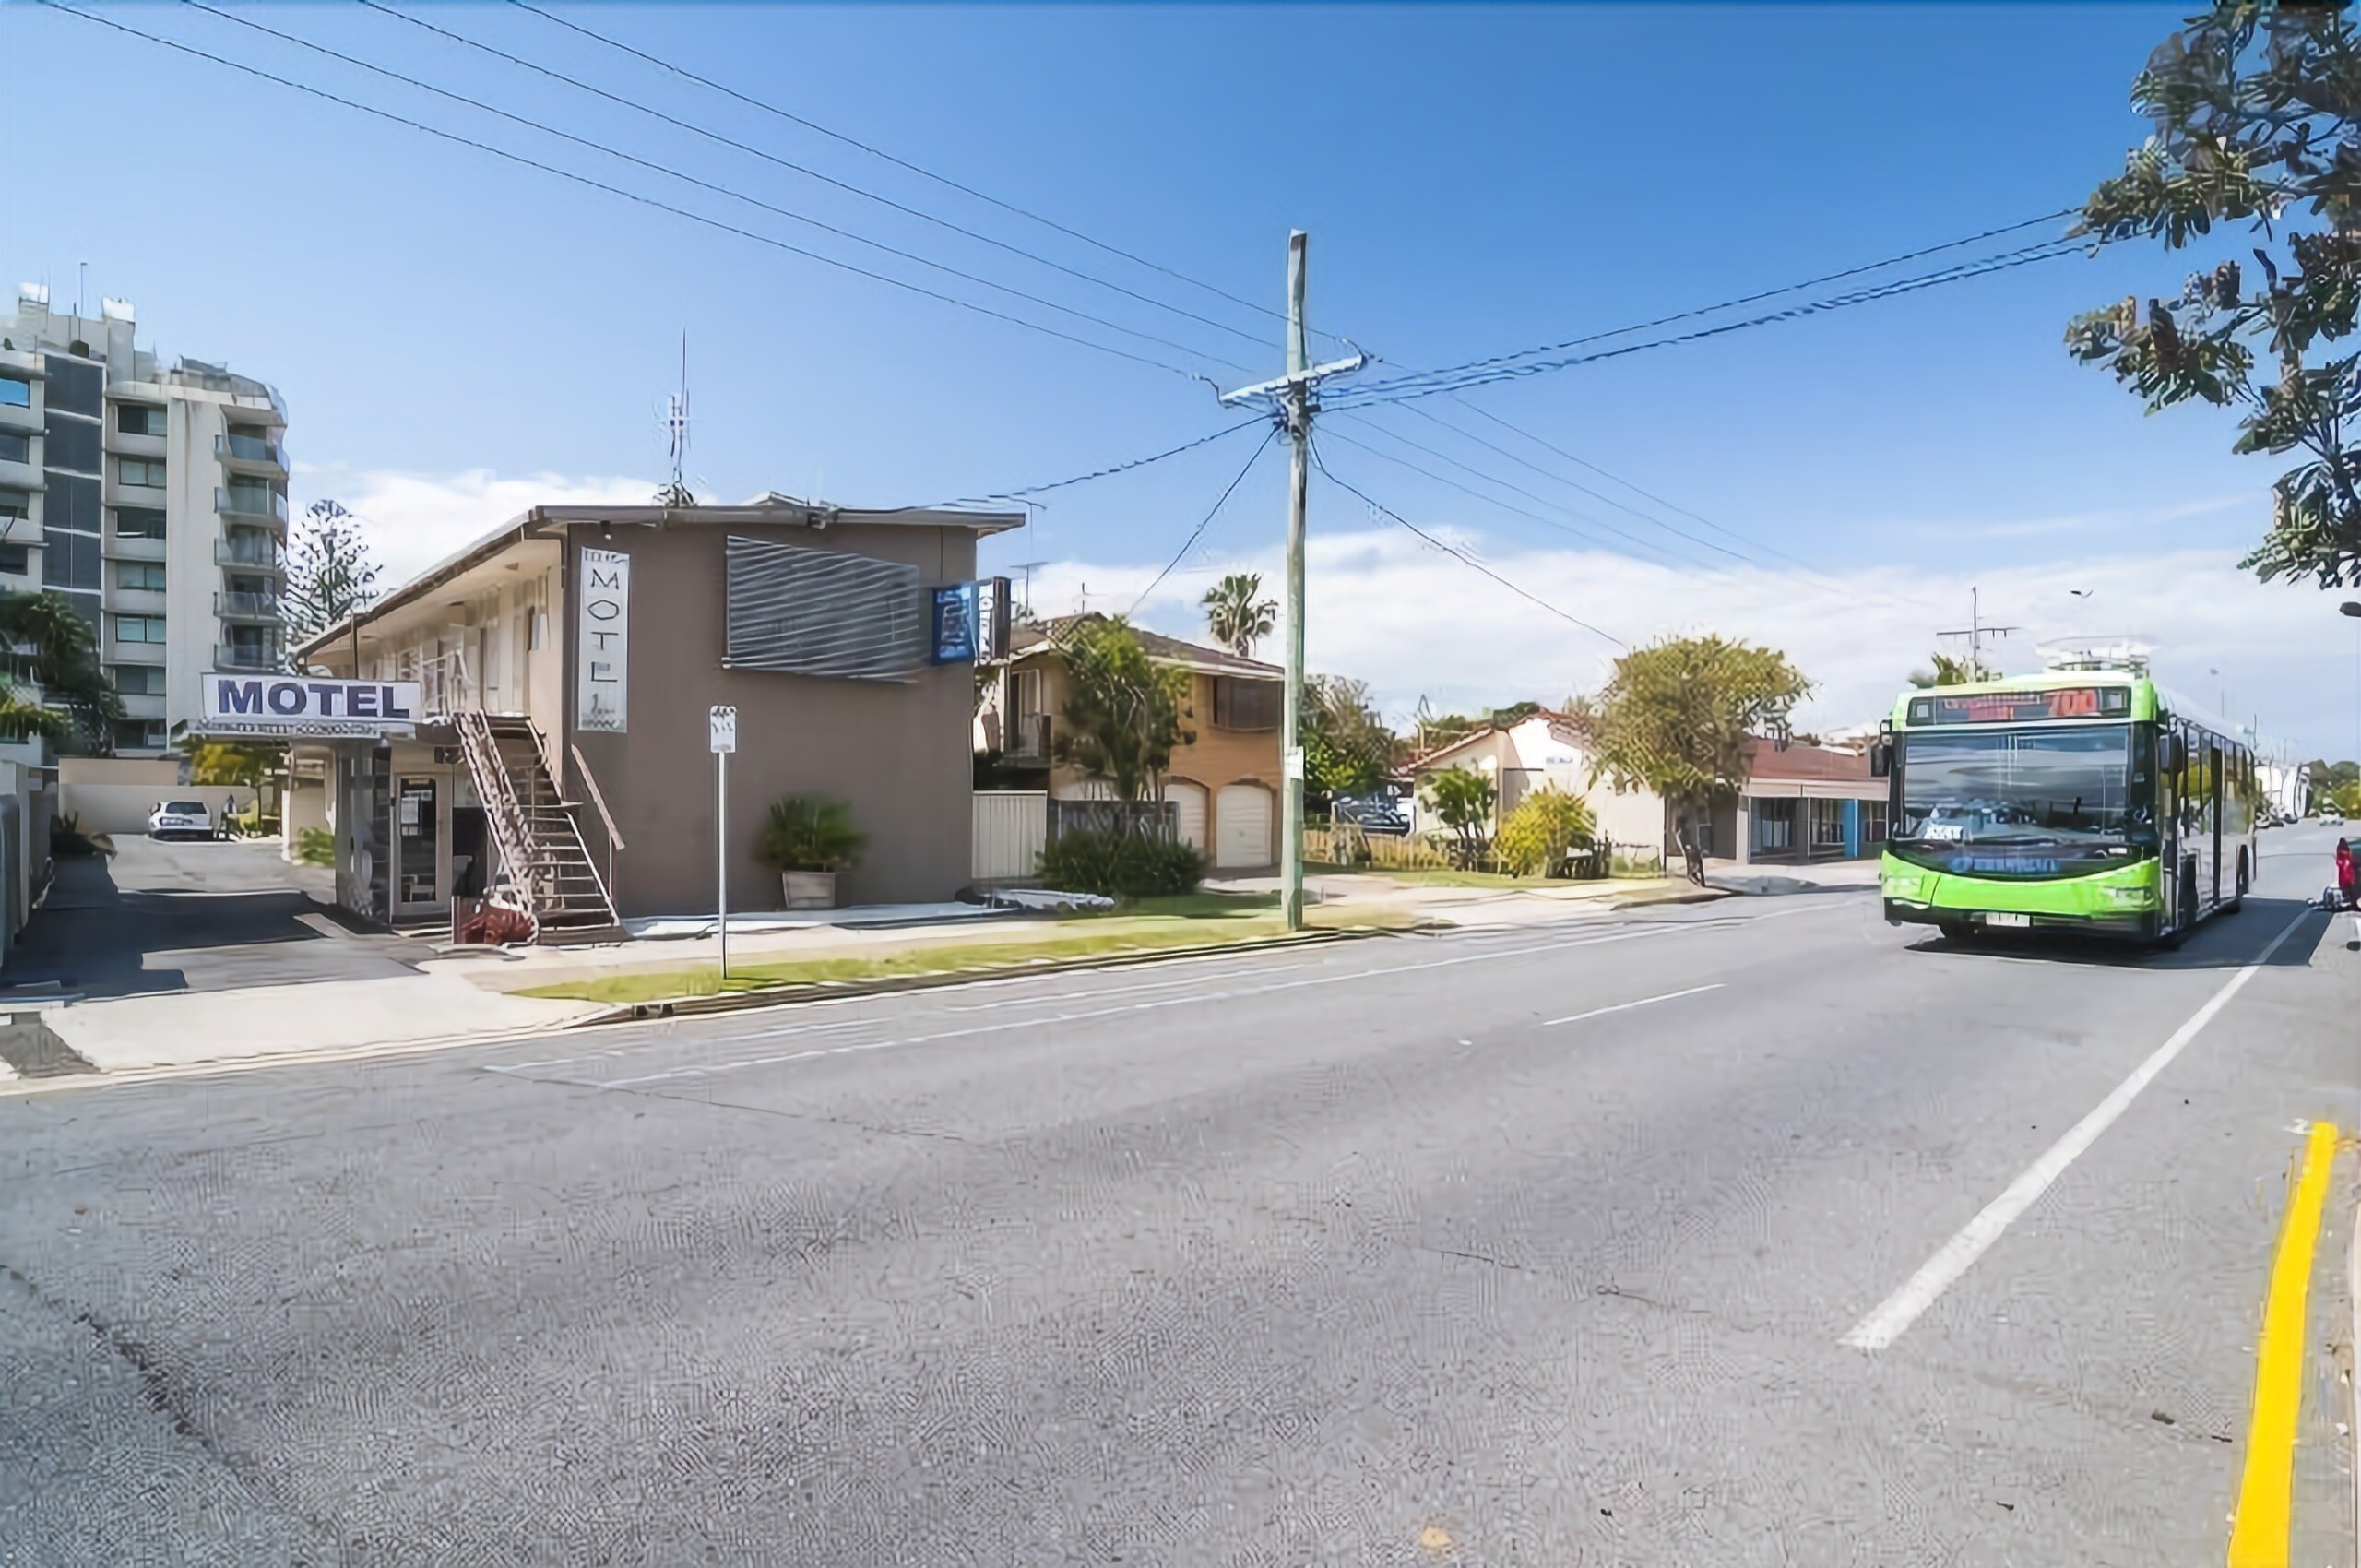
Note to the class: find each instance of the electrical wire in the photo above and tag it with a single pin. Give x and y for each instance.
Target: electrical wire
(721, 225)
(1110, 471)
(846, 186)
(733, 194)
(1191, 542)
(877, 152)
(1503, 367)
(1458, 554)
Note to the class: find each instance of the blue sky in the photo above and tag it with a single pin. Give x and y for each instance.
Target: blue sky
(455, 336)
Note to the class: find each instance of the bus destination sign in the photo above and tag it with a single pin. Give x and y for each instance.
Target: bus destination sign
(2022, 708)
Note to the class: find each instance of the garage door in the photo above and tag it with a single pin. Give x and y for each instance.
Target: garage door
(1189, 806)
(1243, 819)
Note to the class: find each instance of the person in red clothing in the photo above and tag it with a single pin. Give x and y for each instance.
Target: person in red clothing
(2347, 870)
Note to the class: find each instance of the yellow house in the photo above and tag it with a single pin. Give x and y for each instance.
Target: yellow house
(1223, 783)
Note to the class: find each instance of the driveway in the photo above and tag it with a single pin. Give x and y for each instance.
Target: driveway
(195, 917)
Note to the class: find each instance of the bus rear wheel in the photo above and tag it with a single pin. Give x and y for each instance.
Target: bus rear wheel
(2238, 899)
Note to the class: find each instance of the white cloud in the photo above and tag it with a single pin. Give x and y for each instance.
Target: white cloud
(416, 520)
(1415, 622)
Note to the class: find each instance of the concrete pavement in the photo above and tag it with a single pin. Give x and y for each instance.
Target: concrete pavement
(1534, 1246)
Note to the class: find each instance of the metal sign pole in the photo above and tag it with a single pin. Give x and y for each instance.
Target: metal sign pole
(721, 730)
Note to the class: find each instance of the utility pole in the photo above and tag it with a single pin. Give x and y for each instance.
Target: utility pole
(1976, 631)
(1293, 404)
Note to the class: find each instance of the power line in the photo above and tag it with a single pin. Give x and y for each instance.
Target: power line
(733, 194)
(846, 186)
(945, 180)
(1501, 367)
(1191, 542)
(1460, 556)
(585, 180)
(1108, 472)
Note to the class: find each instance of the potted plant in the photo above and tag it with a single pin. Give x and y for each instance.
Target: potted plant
(810, 838)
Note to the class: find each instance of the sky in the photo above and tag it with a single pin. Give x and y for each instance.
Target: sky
(459, 337)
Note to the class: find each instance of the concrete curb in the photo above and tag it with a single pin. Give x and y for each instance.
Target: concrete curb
(1697, 896)
(837, 990)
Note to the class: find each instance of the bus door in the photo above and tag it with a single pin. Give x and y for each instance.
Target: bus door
(2216, 800)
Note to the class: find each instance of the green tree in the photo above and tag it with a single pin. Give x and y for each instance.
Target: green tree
(331, 570)
(2257, 111)
(1237, 614)
(1676, 716)
(232, 763)
(1347, 750)
(1951, 672)
(1123, 713)
(51, 682)
(1541, 830)
(1464, 799)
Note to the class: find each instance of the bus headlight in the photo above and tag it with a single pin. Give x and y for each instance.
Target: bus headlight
(1909, 889)
(2134, 897)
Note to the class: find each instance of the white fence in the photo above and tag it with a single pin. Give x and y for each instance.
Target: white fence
(1010, 828)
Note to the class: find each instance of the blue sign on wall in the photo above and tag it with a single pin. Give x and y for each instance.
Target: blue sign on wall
(955, 623)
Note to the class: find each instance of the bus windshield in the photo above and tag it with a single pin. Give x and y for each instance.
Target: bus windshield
(2016, 786)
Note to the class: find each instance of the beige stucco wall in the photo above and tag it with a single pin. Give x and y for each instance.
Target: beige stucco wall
(898, 750)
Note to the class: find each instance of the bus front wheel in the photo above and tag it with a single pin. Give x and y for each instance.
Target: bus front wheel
(1956, 930)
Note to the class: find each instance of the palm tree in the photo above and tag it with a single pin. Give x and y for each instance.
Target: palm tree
(1234, 616)
(51, 682)
(1951, 672)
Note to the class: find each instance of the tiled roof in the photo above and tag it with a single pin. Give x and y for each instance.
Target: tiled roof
(1167, 651)
(1571, 728)
(1800, 762)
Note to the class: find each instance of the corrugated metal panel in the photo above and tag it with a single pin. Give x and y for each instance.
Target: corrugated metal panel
(823, 613)
(1010, 829)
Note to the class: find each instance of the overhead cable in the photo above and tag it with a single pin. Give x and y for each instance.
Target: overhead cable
(1198, 532)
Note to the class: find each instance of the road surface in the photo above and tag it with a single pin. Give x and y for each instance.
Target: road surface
(1616, 1242)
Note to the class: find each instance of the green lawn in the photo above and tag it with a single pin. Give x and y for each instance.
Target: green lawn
(1445, 878)
(1149, 925)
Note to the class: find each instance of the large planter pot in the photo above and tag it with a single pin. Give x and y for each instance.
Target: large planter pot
(808, 889)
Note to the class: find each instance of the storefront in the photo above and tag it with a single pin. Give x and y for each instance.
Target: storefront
(1808, 804)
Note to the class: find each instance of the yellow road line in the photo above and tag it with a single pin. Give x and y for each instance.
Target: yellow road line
(2258, 1538)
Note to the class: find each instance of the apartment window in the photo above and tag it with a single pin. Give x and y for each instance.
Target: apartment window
(16, 560)
(72, 446)
(1245, 704)
(15, 393)
(15, 449)
(75, 387)
(69, 560)
(140, 679)
(144, 577)
(140, 522)
(139, 629)
(139, 419)
(140, 470)
(16, 506)
(139, 735)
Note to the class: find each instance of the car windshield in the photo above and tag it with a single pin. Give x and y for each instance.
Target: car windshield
(2022, 786)
(186, 808)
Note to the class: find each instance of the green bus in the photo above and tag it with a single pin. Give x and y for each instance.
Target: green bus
(2084, 799)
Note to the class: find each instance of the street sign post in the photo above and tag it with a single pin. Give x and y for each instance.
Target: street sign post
(721, 732)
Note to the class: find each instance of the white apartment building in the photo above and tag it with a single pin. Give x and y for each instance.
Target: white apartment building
(154, 497)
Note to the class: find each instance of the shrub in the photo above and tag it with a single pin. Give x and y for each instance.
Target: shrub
(1121, 865)
(314, 847)
(68, 843)
(1541, 832)
(809, 833)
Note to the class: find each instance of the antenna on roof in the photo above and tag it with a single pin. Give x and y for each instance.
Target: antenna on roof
(676, 428)
(1029, 568)
(2114, 652)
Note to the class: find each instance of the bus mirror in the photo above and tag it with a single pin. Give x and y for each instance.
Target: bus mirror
(1881, 759)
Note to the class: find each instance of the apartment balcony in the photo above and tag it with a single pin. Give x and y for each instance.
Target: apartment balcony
(249, 656)
(134, 601)
(255, 609)
(240, 556)
(253, 455)
(130, 444)
(259, 508)
(127, 547)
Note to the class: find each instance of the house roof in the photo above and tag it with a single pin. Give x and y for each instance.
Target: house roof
(1569, 728)
(1163, 649)
(1798, 763)
(552, 521)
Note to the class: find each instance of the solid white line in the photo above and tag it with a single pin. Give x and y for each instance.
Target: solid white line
(1894, 1315)
(1627, 1006)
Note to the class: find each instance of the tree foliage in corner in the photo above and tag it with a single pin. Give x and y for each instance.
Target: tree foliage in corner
(1237, 613)
(51, 682)
(1951, 672)
(1676, 716)
(1347, 747)
(331, 571)
(1124, 713)
(2257, 124)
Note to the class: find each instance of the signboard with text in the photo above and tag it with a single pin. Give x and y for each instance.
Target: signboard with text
(295, 707)
(603, 647)
(2022, 708)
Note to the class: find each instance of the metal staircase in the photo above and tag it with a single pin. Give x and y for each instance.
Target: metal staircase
(533, 828)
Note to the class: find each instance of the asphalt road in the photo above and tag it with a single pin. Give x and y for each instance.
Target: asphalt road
(1530, 1248)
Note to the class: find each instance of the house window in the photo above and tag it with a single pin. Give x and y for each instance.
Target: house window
(1028, 726)
(15, 449)
(1774, 827)
(139, 419)
(145, 576)
(1827, 826)
(1245, 704)
(140, 679)
(140, 470)
(16, 394)
(1872, 825)
(140, 522)
(139, 629)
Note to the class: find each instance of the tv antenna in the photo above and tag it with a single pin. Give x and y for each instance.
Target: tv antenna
(676, 430)
(1976, 631)
(1029, 568)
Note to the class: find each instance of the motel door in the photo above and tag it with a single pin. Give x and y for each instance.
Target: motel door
(421, 837)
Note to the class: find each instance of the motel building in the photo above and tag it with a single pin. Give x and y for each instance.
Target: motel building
(533, 712)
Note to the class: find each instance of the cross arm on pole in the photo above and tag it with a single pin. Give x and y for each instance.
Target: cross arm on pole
(1304, 379)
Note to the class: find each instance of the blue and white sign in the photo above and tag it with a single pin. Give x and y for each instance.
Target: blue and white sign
(955, 624)
(298, 705)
